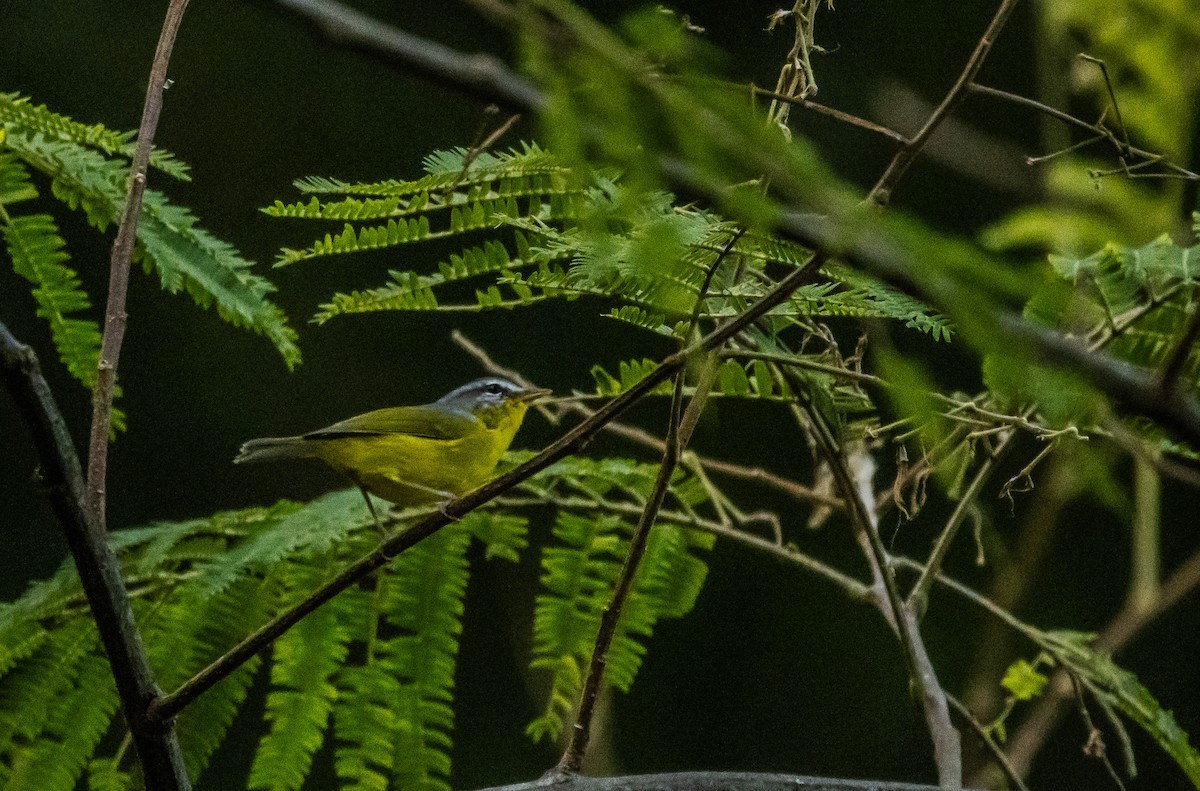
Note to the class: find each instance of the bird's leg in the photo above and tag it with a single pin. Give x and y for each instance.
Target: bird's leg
(371, 508)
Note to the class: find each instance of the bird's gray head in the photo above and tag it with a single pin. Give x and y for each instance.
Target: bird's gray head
(486, 393)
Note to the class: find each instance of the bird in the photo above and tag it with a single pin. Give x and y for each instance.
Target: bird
(414, 455)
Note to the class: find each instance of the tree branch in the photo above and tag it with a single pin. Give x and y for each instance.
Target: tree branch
(832, 112)
(1027, 740)
(793, 489)
(1123, 149)
(118, 278)
(482, 76)
(871, 252)
(679, 431)
(572, 757)
(99, 572)
(918, 597)
(882, 191)
(902, 618)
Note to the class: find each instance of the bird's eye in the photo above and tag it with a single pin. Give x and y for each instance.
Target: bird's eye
(493, 389)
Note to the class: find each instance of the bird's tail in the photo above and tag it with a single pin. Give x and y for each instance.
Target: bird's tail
(271, 448)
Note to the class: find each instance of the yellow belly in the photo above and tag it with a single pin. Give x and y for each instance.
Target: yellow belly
(409, 470)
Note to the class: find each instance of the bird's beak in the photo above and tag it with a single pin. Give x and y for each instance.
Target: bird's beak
(529, 396)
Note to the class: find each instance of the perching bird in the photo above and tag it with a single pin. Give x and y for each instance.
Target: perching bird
(415, 455)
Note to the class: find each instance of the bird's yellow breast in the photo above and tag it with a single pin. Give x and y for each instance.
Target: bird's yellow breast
(413, 470)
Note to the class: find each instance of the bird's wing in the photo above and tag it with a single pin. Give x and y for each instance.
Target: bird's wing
(416, 421)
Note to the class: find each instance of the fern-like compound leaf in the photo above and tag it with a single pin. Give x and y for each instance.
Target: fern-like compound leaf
(186, 257)
(18, 112)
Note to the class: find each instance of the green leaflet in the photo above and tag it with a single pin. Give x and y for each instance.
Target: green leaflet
(199, 587)
(1117, 688)
(17, 111)
(56, 756)
(372, 672)
(38, 255)
(185, 256)
(302, 694)
(393, 716)
(1132, 302)
(550, 233)
(579, 577)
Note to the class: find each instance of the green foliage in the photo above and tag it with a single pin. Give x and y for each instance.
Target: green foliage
(1116, 688)
(1132, 302)
(371, 672)
(20, 113)
(88, 170)
(551, 233)
(38, 255)
(579, 578)
(1023, 680)
(599, 504)
(1147, 49)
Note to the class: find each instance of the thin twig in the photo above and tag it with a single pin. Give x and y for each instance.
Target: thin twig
(1123, 150)
(1094, 746)
(882, 191)
(577, 743)
(918, 597)
(867, 250)
(118, 277)
(832, 112)
(679, 430)
(99, 571)
(995, 749)
(1177, 359)
(1112, 95)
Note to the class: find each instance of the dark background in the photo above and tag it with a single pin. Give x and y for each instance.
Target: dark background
(774, 670)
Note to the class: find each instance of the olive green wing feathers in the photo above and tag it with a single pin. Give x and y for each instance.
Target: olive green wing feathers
(417, 421)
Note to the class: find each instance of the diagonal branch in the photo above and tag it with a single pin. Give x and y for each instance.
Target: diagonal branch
(99, 570)
(1124, 149)
(787, 486)
(482, 76)
(679, 432)
(572, 757)
(882, 191)
(115, 317)
(872, 252)
(902, 617)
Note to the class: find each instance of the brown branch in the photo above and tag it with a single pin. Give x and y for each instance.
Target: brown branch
(118, 277)
(170, 705)
(1123, 149)
(679, 431)
(996, 751)
(882, 191)
(919, 595)
(482, 76)
(832, 112)
(903, 618)
(1045, 716)
(878, 255)
(99, 571)
(870, 251)
(572, 757)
